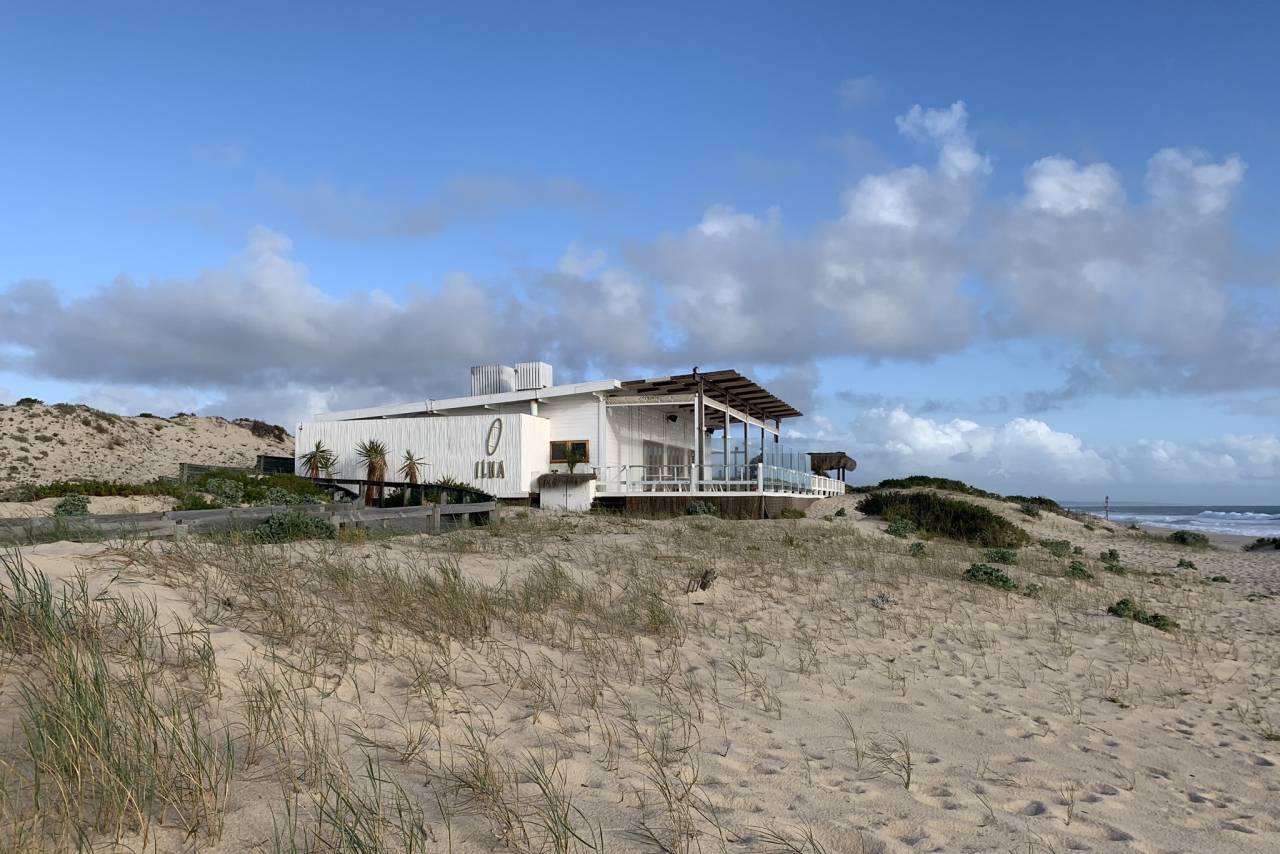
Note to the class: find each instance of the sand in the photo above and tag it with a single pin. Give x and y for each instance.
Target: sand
(784, 700)
(40, 444)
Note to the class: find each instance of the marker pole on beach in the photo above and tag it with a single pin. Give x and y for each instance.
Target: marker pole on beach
(1106, 506)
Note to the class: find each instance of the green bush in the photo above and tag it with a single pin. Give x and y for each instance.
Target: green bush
(840, 511)
(1005, 556)
(1036, 502)
(900, 528)
(1183, 563)
(700, 508)
(227, 492)
(1030, 510)
(792, 513)
(257, 488)
(939, 515)
(72, 505)
(1077, 569)
(1219, 579)
(96, 488)
(288, 525)
(1263, 543)
(1057, 548)
(1189, 538)
(981, 573)
(917, 549)
(1130, 610)
(275, 496)
(196, 501)
(917, 481)
(1109, 556)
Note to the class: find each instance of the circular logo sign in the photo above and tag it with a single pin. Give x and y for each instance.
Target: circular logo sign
(494, 436)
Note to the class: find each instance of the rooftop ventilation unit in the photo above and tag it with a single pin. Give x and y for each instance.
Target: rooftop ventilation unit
(531, 376)
(492, 379)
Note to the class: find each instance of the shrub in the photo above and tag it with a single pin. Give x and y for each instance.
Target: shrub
(942, 516)
(228, 492)
(58, 489)
(1219, 579)
(196, 501)
(916, 481)
(840, 511)
(274, 496)
(792, 513)
(1109, 556)
(1263, 543)
(1077, 569)
(917, 549)
(700, 508)
(1189, 538)
(1057, 548)
(1036, 502)
(260, 489)
(900, 528)
(288, 525)
(1005, 556)
(1030, 510)
(1183, 563)
(29, 401)
(981, 573)
(1130, 610)
(72, 505)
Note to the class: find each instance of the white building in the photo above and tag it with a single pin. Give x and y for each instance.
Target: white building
(647, 443)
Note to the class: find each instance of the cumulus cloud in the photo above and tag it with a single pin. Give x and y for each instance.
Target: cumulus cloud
(258, 325)
(1025, 454)
(1147, 291)
(882, 281)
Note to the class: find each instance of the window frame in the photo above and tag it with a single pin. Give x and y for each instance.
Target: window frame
(566, 444)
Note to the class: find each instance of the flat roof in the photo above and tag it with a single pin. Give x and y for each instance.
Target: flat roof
(728, 387)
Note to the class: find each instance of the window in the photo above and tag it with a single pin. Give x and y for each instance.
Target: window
(580, 447)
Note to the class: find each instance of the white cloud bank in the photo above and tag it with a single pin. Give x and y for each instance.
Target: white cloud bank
(1027, 454)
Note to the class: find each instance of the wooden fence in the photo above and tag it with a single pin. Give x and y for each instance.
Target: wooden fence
(429, 518)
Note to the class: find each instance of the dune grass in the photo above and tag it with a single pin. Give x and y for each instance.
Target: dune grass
(940, 516)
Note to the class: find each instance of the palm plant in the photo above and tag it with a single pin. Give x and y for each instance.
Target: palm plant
(374, 456)
(318, 459)
(411, 467)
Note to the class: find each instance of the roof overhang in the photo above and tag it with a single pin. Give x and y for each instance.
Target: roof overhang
(728, 387)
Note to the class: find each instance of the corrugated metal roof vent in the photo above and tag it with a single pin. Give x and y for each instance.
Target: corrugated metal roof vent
(492, 379)
(532, 375)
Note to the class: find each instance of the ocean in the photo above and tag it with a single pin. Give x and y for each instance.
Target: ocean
(1247, 521)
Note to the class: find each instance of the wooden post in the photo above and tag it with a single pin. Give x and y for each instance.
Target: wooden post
(699, 429)
(435, 517)
(724, 446)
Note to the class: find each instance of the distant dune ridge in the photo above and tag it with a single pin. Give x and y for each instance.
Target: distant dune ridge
(40, 443)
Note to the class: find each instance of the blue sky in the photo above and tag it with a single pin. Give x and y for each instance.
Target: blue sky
(1089, 242)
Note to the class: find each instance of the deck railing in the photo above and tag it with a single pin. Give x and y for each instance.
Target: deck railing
(713, 478)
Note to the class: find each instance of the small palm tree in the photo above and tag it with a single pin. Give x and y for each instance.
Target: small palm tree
(318, 459)
(374, 455)
(572, 459)
(411, 467)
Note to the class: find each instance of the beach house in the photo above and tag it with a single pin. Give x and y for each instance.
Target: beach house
(651, 444)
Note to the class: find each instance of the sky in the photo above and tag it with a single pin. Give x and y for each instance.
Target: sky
(1033, 248)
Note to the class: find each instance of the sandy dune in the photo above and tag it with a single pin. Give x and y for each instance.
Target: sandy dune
(828, 692)
(40, 444)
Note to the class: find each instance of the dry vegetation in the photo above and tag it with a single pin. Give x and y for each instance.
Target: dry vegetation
(556, 684)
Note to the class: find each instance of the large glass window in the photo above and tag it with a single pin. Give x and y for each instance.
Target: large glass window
(580, 448)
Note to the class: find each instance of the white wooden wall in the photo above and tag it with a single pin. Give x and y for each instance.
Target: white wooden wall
(451, 445)
(575, 417)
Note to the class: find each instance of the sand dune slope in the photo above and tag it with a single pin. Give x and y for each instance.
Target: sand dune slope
(554, 678)
(40, 444)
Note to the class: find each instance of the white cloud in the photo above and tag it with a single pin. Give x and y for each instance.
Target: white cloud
(1060, 186)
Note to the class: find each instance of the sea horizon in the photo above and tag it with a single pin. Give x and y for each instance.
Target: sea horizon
(1247, 520)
